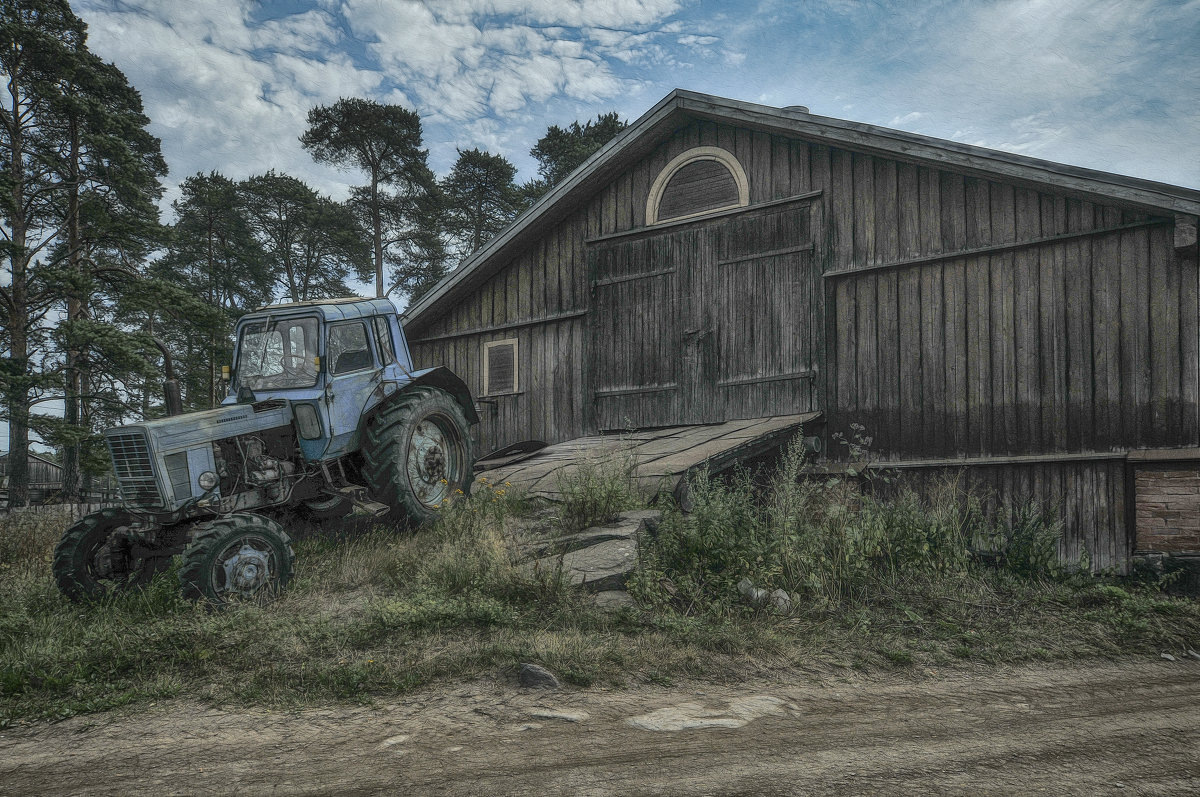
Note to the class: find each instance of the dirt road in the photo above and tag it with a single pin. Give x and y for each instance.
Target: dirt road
(1123, 728)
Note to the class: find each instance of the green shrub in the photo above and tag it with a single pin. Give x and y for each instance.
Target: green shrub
(824, 540)
(597, 488)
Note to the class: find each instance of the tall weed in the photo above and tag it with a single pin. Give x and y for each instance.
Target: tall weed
(597, 487)
(822, 540)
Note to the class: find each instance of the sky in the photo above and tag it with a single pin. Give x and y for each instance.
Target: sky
(1106, 84)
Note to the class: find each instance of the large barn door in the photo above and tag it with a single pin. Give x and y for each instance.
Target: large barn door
(705, 324)
(641, 291)
(762, 312)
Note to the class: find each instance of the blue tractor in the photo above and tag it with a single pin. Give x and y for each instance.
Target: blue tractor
(325, 416)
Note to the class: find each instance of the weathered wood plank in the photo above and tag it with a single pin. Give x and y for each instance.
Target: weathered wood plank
(909, 211)
(1106, 338)
(909, 347)
(864, 209)
(933, 362)
(1053, 329)
(1165, 348)
(1028, 387)
(1189, 346)
(958, 365)
(841, 203)
(1077, 274)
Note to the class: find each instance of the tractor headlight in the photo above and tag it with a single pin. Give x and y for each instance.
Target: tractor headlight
(208, 480)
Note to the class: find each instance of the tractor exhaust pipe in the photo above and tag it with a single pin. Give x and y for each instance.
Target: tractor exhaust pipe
(171, 394)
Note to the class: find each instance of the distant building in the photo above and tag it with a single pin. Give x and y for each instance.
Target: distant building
(45, 479)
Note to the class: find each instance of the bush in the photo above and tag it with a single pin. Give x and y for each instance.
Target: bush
(597, 488)
(823, 540)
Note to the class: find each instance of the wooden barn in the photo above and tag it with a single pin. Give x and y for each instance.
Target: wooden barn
(1034, 323)
(45, 478)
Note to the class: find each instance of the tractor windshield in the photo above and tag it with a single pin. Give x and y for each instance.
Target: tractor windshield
(278, 354)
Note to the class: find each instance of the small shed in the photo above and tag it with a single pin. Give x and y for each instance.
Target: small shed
(1034, 323)
(45, 478)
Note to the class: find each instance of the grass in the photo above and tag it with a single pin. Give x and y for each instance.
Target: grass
(876, 584)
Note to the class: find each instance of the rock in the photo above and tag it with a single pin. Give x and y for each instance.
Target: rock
(1166, 656)
(535, 677)
(626, 527)
(565, 716)
(1194, 654)
(781, 601)
(612, 599)
(598, 568)
(751, 593)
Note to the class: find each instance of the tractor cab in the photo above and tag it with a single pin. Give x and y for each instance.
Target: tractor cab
(333, 360)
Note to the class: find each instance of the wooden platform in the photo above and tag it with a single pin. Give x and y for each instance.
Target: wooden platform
(660, 459)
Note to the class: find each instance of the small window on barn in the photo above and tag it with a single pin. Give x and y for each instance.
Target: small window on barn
(701, 180)
(500, 367)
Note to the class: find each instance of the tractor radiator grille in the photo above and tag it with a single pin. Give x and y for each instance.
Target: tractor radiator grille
(135, 473)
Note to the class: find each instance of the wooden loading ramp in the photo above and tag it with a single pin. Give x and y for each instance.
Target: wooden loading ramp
(660, 459)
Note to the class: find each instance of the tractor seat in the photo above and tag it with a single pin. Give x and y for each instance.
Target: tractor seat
(352, 361)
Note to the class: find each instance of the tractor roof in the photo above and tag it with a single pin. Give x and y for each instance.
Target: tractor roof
(331, 309)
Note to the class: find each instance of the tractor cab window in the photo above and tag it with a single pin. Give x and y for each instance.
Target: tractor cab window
(383, 340)
(347, 349)
(275, 354)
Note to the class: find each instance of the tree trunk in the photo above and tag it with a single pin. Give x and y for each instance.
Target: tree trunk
(478, 240)
(76, 309)
(17, 395)
(377, 228)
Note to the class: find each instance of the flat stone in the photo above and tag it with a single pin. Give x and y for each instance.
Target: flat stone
(565, 716)
(625, 527)
(612, 599)
(598, 568)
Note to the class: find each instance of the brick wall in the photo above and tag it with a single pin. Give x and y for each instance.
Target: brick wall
(1168, 508)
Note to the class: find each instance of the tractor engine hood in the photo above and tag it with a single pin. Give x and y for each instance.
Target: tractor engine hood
(232, 420)
(157, 463)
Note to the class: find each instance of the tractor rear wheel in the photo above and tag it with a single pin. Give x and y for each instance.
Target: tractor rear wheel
(94, 557)
(239, 558)
(417, 453)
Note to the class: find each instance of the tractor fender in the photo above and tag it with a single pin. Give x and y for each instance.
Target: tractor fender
(442, 378)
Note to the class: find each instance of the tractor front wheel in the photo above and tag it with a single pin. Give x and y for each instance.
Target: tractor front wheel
(417, 453)
(239, 558)
(94, 557)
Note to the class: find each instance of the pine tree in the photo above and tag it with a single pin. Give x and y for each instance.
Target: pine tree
(400, 205)
(562, 150)
(312, 244)
(481, 198)
(76, 158)
(214, 255)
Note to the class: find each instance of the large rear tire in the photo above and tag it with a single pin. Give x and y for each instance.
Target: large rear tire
(241, 558)
(94, 559)
(417, 453)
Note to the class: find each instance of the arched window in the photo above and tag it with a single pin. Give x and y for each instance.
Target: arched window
(701, 180)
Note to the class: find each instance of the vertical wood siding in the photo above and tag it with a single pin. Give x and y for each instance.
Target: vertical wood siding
(1089, 497)
(978, 345)
(1083, 344)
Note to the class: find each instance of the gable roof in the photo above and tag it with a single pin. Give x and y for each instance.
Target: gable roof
(681, 106)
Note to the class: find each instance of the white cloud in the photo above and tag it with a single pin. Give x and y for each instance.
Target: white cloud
(216, 99)
(908, 118)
